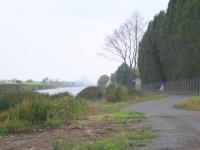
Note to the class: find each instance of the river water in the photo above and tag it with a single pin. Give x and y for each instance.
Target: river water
(72, 90)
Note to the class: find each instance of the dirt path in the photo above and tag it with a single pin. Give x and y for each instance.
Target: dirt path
(179, 129)
(45, 139)
(80, 131)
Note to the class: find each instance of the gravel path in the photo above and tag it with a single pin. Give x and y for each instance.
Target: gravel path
(179, 129)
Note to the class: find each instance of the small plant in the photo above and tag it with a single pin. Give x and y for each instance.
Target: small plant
(11, 100)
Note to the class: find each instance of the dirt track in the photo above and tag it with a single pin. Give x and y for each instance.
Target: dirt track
(179, 129)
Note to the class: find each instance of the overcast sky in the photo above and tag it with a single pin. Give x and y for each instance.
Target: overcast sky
(61, 38)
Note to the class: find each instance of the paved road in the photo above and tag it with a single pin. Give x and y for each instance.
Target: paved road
(179, 129)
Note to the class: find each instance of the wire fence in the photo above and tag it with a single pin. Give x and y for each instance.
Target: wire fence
(182, 87)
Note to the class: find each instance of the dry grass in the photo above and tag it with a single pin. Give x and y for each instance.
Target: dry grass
(191, 104)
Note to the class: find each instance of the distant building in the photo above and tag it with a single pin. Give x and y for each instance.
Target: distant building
(14, 81)
(138, 83)
(18, 81)
(45, 80)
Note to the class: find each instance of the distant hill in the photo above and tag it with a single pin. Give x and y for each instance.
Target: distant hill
(83, 81)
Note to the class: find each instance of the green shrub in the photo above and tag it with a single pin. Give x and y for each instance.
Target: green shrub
(40, 110)
(91, 93)
(134, 92)
(62, 95)
(114, 93)
(10, 113)
(69, 109)
(11, 100)
(13, 125)
(35, 112)
(54, 122)
(51, 113)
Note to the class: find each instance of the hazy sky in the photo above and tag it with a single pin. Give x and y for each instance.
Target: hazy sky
(61, 38)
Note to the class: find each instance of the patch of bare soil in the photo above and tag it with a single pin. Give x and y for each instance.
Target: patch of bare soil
(78, 131)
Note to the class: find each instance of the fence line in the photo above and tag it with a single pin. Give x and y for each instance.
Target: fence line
(182, 87)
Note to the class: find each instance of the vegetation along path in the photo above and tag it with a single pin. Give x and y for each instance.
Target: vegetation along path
(179, 129)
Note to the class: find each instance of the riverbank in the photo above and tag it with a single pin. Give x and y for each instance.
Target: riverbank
(20, 88)
(27, 112)
(106, 125)
(97, 117)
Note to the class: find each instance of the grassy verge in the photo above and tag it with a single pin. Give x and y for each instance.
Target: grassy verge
(192, 104)
(16, 88)
(124, 128)
(152, 96)
(30, 111)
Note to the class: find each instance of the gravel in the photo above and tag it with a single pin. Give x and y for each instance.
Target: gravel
(179, 129)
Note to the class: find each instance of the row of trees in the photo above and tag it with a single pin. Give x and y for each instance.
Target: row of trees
(170, 48)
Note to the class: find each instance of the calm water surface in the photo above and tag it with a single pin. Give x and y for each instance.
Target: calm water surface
(72, 90)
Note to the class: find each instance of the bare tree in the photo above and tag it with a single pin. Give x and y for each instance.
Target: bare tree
(123, 44)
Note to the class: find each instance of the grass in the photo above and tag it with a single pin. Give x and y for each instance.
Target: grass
(119, 112)
(114, 114)
(19, 88)
(121, 141)
(11, 100)
(151, 96)
(117, 93)
(109, 106)
(24, 112)
(192, 104)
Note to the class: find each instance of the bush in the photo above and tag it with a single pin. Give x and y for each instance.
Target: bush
(10, 113)
(11, 100)
(62, 95)
(114, 93)
(91, 93)
(73, 109)
(13, 125)
(35, 112)
(66, 110)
